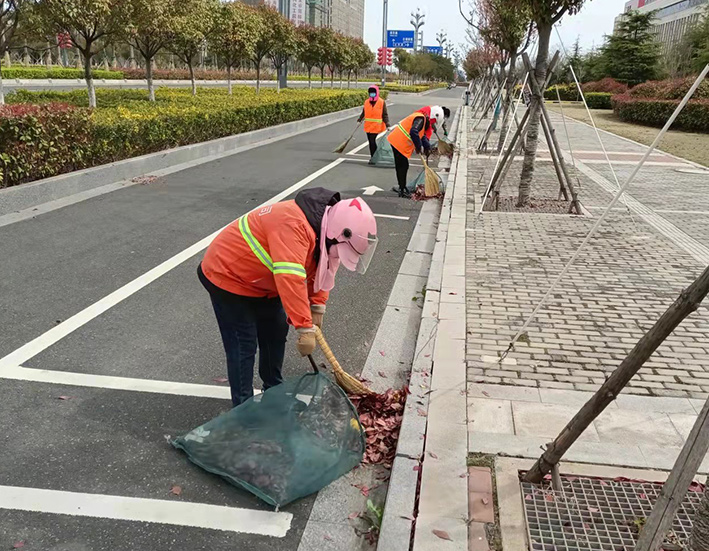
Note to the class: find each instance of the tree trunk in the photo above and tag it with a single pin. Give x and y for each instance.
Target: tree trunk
(332, 78)
(192, 79)
(310, 78)
(258, 76)
(530, 150)
(322, 77)
(228, 77)
(699, 540)
(149, 78)
(88, 75)
(278, 78)
(509, 100)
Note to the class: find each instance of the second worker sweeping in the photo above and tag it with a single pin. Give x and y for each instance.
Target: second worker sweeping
(375, 116)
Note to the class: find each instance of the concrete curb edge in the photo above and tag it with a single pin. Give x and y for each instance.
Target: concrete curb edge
(397, 522)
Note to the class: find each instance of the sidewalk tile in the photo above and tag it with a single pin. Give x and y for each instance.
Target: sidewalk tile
(426, 540)
(573, 398)
(485, 415)
(477, 537)
(448, 311)
(640, 428)
(416, 264)
(406, 289)
(683, 422)
(654, 403)
(546, 420)
(503, 392)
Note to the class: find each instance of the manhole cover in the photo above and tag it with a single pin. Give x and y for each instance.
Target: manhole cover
(598, 514)
(692, 170)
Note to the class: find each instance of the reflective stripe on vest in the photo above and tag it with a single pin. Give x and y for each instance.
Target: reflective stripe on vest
(404, 131)
(373, 120)
(282, 268)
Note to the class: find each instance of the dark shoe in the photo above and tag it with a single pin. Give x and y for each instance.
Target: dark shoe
(404, 193)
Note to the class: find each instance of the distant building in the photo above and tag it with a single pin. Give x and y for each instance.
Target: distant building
(672, 17)
(345, 16)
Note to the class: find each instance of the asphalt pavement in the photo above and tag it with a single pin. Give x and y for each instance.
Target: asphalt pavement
(86, 465)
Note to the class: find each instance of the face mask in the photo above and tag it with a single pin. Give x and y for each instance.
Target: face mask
(372, 95)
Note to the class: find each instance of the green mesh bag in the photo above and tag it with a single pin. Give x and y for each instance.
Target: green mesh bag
(383, 156)
(284, 444)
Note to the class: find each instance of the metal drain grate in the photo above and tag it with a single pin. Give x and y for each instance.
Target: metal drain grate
(598, 514)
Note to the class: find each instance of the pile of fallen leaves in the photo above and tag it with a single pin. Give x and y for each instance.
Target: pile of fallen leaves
(420, 195)
(380, 415)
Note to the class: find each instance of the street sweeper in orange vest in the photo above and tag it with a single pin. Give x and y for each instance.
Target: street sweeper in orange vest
(435, 122)
(406, 137)
(275, 267)
(375, 117)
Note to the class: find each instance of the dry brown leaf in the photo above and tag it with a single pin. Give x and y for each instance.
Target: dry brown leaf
(18, 544)
(485, 501)
(433, 455)
(327, 538)
(486, 394)
(64, 397)
(176, 490)
(442, 534)
(220, 380)
(353, 516)
(382, 374)
(421, 412)
(408, 517)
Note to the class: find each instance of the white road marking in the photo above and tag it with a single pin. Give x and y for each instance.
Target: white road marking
(628, 153)
(371, 190)
(179, 513)
(20, 373)
(392, 216)
(58, 332)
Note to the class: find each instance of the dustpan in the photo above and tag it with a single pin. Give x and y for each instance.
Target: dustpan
(427, 180)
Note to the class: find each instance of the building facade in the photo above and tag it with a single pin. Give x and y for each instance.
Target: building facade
(672, 17)
(345, 16)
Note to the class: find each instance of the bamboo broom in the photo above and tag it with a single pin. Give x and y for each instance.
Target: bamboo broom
(343, 145)
(346, 381)
(445, 147)
(432, 183)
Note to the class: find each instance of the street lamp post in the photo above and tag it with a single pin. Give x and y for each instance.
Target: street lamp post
(384, 41)
(441, 38)
(417, 20)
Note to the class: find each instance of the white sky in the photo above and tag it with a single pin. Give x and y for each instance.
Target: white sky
(594, 20)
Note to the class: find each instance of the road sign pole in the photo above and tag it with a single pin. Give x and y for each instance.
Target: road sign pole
(384, 41)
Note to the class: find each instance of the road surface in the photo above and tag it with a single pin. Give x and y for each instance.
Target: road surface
(104, 294)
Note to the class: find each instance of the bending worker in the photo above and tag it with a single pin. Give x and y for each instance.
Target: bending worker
(409, 136)
(375, 116)
(433, 127)
(276, 266)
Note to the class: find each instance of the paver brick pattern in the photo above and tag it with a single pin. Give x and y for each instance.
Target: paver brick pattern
(622, 282)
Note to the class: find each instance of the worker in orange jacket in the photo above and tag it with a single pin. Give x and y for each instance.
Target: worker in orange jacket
(276, 266)
(406, 137)
(441, 114)
(375, 116)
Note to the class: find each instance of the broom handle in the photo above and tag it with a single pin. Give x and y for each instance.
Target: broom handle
(327, 351)
(355, 130)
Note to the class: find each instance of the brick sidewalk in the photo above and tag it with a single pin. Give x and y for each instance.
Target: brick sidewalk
(629, 273)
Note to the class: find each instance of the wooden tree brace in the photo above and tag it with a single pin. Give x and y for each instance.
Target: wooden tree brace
(688, 301)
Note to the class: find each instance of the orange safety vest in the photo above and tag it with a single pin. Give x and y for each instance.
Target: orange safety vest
(400, 139)
(373, 121)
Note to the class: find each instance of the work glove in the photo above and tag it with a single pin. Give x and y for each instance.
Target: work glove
(445, 133)
(418, 151)
(306, 341)
(317, 311)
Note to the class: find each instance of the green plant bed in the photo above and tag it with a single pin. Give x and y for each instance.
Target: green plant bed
(655, 112)
(43, 134)
(598, 100)
(30, 73)
(412, 89)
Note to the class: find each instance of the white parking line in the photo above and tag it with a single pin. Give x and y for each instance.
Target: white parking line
(70, 378)
(392, 216)
(68, 326)
(180, 513)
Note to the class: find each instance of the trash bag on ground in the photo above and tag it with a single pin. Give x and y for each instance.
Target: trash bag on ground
(383, 156)
(286, 443)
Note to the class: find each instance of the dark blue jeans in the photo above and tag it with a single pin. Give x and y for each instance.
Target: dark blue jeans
(248, 323)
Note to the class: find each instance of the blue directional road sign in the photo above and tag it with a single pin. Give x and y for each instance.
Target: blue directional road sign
(433, 50)
(400, 39)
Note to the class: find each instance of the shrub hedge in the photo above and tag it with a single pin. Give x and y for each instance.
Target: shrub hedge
(567, 92)
(655, 112)
(57, 73)
(413, 89)
(670, 89)
(46, 138)
(607, 84)
(598, 100)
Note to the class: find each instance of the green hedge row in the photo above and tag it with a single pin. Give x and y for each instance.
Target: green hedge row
(45, 139)
(598, 100)
(413, 89)
(57, 73)
(655, 112)
(567, 92)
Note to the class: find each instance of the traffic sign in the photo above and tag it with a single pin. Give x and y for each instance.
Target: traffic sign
(400, 39)
(433, 50)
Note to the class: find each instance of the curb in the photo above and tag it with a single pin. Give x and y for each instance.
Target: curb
(29, 195)
(397, 525)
